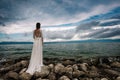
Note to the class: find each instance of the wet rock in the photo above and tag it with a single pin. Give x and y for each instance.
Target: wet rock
(111, 72)
(59, 68)
(25, 76)
(11, 75)
(83, 66)
(85, 79)
(97, 79)
(41, 79)
(115, 64)
(78, 73)
(67, 62)
(24, 63)
(93, 68)
(104, 66)
(118, 78)
(93, 74)
(51, 66)
(68, 71)
(104, 79)
(52, 76)
(75, 79)
(18, 64)
(64, 78)
(23, 70)
(37, 74)
(43, 73)
(75, 67)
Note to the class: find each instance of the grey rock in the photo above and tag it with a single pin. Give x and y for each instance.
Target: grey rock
(24, 63)
(104, 79)
(104, 66)
(68, 71)
(75, 67)
(112, 72)
(93, 74)
(23, 70)
(25, 76)
(115, 64)
(67, 62)
(52, 76)
(83, 66)
(118, 78)
(45, 70)
(78, 73)
(63, 78)
(41, 79)
(59, 68)
(11, 75)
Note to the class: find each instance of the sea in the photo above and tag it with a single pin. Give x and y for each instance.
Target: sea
(75, 49)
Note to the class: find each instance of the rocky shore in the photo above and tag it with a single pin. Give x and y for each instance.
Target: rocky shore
(95, 68)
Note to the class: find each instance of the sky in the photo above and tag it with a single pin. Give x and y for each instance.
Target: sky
(61, 20)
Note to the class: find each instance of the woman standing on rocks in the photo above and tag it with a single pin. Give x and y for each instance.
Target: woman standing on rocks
(36, 60)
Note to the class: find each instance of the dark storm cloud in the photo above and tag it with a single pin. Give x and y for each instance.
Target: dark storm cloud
(87, 26)
(12, 10)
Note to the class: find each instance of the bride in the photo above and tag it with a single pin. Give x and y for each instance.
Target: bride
(36, 60)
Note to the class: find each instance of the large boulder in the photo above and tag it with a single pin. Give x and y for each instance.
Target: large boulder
(59, 68)
(92, 74)
(112, 72)
(11, 75)
(115, 64)
(23, 70)
(52, 76)
(24, 63)
(25, 76)
(83, 66)
(68, 71)
(45, 70)
(63, 78)
(78, 73)
(67, 62)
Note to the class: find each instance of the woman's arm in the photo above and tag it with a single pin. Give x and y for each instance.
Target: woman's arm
(41, 36)
(34, 34)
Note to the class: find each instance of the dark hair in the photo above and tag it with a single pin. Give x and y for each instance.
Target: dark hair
(38, 25)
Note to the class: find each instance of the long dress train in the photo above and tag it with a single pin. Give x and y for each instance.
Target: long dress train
(36, 60)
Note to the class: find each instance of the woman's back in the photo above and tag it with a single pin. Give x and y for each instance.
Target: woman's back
(37, 33)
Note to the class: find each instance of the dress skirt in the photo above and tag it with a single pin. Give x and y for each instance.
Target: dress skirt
(36, 59)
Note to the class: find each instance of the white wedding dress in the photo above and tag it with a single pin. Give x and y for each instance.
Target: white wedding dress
(36, 60)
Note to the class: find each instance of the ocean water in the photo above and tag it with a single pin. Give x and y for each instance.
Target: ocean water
(58, 50)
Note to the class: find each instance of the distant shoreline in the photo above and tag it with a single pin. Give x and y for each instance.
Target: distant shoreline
(75, 41)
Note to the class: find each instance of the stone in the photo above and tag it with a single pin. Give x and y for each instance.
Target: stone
(68, 71)
(52, 76)
(63, 78)
(115, 64)
(11, 75)
(83, 66)
(104, 79)
(67, 62)
(24, 63)
(23, 70)
(25, 76)
(51, 66)
(59, 68)
(41, 79)
(43, 73)
(118, 78)
(93, 68)
(112, 72)
(75, 67)
(78, 73)
(104, 66)
(93, 74)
